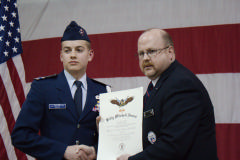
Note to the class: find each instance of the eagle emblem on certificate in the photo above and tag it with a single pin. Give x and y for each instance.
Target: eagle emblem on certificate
(121, 102)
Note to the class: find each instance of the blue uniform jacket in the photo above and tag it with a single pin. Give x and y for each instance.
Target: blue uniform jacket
(58, 126)
(178, 119)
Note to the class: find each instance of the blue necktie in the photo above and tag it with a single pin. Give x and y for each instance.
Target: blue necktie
(78, 97)
(148, 92)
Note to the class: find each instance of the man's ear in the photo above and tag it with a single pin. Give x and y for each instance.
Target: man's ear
(90, 55)
(60, 56)
(171, 53)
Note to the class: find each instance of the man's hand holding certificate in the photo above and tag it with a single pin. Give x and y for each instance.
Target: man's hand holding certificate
(120, 128)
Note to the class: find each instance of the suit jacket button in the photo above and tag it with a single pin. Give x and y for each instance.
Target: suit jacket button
(78, 125)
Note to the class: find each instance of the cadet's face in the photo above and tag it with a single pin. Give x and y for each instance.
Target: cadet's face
(75, 56)
(153, 66)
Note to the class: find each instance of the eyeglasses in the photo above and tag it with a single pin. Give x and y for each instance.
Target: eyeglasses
(151, 53)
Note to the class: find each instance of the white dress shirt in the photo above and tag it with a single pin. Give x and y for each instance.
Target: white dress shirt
(154, 82)
(73, 87)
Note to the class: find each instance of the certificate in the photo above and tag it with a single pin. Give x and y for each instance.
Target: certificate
(120, 128)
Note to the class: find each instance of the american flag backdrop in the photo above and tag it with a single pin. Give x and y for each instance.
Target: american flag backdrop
(12, 77)
(206, 35)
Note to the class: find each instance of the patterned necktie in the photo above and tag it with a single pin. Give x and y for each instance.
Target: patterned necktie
(78, 97)
(148, 92)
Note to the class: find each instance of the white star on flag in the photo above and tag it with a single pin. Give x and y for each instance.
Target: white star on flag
(10, 34)
(11, 24)
(6, 8)
(2, 28)
(16, 40)
(14, 49)
(14, 14)
(4, 18)
(5, 53)
(7, 43)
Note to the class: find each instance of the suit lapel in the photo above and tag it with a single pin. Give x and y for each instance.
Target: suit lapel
(91, 100)
(161, 80)
(64, 94)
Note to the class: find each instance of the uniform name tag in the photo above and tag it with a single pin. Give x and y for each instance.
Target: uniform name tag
(148, 113)
(57, 106)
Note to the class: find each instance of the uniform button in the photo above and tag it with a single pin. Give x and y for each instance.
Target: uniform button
(77, 142)
(78, 125)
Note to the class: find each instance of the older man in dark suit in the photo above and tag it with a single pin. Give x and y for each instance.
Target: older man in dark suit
(178, 119)
(60, 111)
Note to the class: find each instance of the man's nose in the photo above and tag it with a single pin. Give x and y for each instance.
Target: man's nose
(145, 56)
(73, 53)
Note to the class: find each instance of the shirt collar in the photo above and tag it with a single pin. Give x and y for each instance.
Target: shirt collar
(154, 82)
(71, 79)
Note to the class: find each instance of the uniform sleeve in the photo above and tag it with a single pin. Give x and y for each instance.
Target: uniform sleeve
(26, 136)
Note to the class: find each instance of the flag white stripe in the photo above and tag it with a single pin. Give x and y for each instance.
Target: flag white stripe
(226, 107)
(30, 157)
(17, 60)
(121, 83)
(224, 90)
(131, 15)
(6, 136)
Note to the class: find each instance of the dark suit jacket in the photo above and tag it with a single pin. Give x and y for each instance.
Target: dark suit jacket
(58, 127)
(178, 119)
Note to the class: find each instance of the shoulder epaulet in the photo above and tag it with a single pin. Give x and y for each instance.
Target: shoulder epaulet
(46, 77)
(108, 87)
(99, 82)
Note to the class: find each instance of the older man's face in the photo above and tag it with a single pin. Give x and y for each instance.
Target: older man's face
(154, 64)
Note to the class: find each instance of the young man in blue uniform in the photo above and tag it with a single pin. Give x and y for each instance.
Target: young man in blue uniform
(178, 121)
(58, 118)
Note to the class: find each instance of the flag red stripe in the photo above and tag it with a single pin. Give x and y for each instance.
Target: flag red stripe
(20, 154)
(4, 101)
(203, 49)
(34, 57)
(209, 49)
(3, 152)
(228, 141)
(18, 88)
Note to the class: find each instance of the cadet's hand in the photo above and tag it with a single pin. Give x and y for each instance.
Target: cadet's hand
(124, 157)
(74, 152)
(97, 122)
(90, 151)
